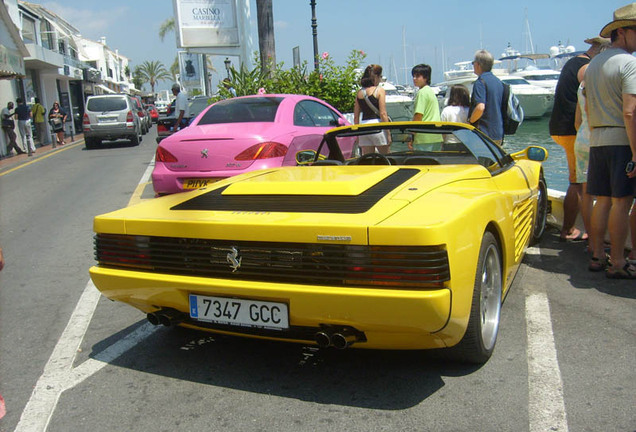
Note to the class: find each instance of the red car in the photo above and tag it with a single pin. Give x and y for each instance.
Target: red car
(154, 114)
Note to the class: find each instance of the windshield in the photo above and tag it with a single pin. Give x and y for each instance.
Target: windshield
(515, 81)
(245, 110)
(542, 77)
(412, 144)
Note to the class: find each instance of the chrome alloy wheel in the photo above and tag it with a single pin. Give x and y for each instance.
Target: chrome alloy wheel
(490, 298)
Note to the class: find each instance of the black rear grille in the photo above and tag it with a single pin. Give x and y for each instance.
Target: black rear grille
(328, 264)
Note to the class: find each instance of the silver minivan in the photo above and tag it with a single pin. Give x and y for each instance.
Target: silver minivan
(111, 117)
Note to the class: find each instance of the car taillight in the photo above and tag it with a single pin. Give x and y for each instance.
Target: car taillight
(164, 155)
(86, 121)
(129, 117)
(264, 150)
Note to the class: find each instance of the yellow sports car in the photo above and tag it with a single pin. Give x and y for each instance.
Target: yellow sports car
(412, 249)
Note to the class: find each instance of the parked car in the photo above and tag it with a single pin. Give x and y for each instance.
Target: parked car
(143, 115)
(111, 117)
(165, 125)
(409, 250)
(242, 134)
(154, 114)
(162, 106)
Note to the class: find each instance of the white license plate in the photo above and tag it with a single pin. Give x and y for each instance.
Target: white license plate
(245, 313)
(107, 119)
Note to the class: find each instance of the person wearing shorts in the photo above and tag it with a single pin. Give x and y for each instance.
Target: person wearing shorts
(563, 132)
(611, 109)
(370, 104)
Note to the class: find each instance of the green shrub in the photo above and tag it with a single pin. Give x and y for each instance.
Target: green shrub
(334, 84)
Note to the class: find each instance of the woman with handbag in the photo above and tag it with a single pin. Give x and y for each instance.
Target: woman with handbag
(57, 118)
(371, 103)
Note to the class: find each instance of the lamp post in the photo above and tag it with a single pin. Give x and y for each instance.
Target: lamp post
(314, 32)
(227, 63)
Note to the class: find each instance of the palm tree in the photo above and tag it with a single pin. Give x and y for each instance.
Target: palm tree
(174, 68)
(266, 43)
(138, 80)
(153, 71)
(166, 27)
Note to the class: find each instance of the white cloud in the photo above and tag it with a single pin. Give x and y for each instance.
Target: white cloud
(91, 23)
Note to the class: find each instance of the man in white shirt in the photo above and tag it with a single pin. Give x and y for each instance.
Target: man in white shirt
(180, 107)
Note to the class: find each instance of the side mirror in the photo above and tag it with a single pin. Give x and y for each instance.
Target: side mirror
(305, 157)
(534, 153)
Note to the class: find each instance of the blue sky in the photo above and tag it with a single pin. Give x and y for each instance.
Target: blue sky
(433, 31)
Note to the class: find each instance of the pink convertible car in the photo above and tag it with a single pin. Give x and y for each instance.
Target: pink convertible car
(242, 134)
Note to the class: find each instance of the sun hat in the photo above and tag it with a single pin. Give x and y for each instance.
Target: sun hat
(623, 17)
(598, 40)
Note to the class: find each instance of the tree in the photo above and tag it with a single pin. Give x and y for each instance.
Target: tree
(166, 27)
(138, 80)
(174, 68)
(266, 44)
(152, 72)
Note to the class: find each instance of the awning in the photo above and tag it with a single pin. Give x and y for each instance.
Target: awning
(11, 63)
(103, 87)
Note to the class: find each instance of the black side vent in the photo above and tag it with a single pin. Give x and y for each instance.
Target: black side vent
(214, 200)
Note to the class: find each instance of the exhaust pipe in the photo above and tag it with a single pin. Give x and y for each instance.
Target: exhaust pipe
(153, 319)
(165, 317)
(343, 340)
(322, 339)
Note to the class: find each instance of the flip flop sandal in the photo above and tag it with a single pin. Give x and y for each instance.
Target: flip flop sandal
(597, 264)
(581, 236)
(627, 272)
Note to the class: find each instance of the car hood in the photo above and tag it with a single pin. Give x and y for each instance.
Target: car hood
(296, 204)
(214, 147)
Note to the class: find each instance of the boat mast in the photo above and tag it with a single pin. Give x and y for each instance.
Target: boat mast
(404, 53)
(528, 38)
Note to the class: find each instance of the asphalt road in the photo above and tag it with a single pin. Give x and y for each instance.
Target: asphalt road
(73, 361)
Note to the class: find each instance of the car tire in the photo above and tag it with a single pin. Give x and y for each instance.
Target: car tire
(541, 217)
(135, 140)
(478, 342)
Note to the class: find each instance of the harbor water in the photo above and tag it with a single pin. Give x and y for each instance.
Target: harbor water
(535, 132)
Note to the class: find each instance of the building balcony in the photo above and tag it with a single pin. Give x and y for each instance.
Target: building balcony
(42, 58)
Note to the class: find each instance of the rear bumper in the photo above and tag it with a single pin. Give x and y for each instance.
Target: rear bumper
(389, 319)
(111, 134)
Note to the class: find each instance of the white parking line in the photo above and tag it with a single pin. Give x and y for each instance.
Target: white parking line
(58, 374)
(546, 406)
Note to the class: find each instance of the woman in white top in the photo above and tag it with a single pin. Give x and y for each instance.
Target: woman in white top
(457, 109)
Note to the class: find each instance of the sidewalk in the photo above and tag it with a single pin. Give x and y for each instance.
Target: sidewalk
(13, 160)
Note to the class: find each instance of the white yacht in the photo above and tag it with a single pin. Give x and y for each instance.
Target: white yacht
(536, 101)
(529, 67)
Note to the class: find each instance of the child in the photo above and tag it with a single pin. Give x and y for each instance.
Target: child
(426, 106)
(457, 109)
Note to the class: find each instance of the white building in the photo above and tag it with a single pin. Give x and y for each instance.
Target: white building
(58, 63)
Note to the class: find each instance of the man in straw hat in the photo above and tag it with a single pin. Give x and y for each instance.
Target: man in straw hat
(563, 132)
(611, 108)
